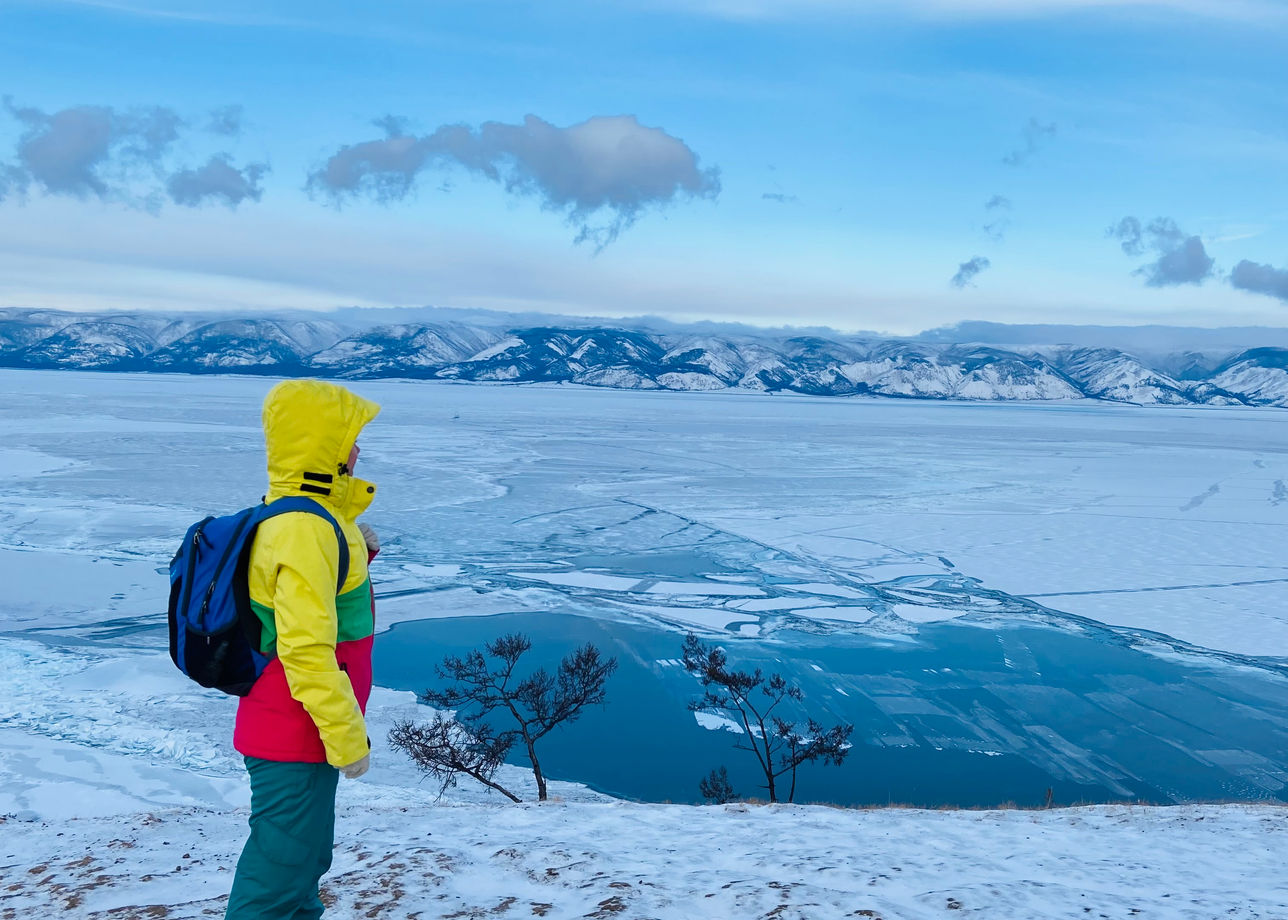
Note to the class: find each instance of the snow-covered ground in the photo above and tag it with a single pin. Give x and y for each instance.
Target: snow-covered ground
(564, 861)
(697, 510)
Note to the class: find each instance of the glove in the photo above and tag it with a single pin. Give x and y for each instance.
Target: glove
(357, 768)
(373, 542)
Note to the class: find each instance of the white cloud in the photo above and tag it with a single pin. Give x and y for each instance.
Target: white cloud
(606, 165)
(89, 150)
(1182, 258)
(218, 180)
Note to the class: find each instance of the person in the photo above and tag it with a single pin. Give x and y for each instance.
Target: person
(303, 722)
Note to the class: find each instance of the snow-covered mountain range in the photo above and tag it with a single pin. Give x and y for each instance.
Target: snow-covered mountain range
(633, 358)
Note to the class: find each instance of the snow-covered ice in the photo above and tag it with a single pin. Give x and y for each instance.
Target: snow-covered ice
(1160, 519)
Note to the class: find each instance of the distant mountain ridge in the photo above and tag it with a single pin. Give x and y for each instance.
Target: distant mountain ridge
(609, 356)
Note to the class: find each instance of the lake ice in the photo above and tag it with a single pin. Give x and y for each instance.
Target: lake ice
(747, 517)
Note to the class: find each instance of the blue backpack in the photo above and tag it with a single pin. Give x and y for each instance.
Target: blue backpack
(214, 633)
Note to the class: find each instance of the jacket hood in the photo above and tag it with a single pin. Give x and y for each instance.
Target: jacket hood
(310, 427)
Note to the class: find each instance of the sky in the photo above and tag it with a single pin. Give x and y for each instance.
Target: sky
(882, 165)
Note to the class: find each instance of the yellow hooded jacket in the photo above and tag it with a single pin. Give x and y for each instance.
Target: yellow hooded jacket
(308, 704)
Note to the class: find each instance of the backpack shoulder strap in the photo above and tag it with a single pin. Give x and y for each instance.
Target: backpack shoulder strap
(291, 503)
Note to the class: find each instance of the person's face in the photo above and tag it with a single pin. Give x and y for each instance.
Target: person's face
(353, 458)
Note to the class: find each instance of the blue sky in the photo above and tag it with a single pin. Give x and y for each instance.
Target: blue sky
(866, 165)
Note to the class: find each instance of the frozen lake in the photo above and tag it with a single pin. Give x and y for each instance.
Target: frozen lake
(958, 716)
(1117, 568)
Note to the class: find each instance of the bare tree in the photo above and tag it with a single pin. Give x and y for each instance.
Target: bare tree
(444, 749)
(753, 700)
(715, 787)
(485, 685)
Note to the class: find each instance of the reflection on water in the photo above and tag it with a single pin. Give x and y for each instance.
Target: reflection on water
(956, 714)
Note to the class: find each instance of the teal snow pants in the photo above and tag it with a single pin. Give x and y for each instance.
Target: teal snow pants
(292, 829)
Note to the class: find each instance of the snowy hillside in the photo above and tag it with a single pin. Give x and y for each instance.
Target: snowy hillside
(407, 350)
(563, 861)
(264, 346)
(1108, 374)
(626, 358)
(1260, 375)
(91, 346)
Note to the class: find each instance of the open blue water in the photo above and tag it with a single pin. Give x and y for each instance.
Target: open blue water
(958, 714)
